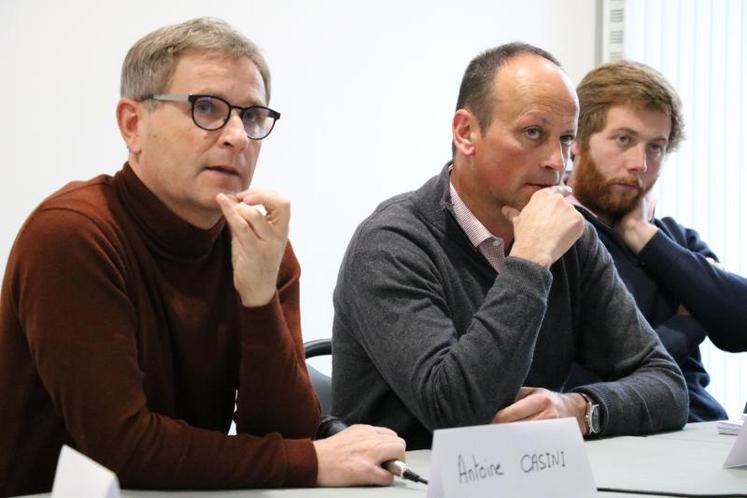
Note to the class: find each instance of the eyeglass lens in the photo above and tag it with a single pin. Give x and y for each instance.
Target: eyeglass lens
(212, 113)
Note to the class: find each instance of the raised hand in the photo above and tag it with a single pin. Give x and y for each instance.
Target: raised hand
(257, 241)
(635, 228)
(547, 226)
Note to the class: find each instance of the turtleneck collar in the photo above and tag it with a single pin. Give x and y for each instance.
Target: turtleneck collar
(164, 231)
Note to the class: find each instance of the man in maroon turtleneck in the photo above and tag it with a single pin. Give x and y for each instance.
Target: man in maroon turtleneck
(141, 314)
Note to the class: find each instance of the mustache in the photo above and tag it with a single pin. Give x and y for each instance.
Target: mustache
(630, 181)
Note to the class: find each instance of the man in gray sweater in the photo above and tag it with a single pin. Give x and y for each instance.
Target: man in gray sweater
(466, 301)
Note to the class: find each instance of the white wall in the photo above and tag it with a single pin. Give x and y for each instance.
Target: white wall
(366, 90)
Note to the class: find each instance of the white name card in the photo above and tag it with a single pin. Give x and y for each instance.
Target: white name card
(78, 476)
(738, 454)
(527, 459)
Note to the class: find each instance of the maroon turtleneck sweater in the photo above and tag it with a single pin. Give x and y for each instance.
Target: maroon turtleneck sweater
(121, 334)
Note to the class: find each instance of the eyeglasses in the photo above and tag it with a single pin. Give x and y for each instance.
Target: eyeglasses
(212, 113)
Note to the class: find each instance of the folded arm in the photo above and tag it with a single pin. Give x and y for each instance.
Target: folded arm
(713, 296)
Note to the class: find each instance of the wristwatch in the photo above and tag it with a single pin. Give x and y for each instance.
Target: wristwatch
(593, 426)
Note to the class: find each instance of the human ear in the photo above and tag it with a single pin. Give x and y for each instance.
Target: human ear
(129, 114)
(465, 131)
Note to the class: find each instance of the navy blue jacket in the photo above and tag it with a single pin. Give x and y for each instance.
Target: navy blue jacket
(670, 270)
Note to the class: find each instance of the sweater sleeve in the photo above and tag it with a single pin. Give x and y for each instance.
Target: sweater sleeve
(273, 351)
(80, 325)
(394, 300)
(643, 389)
(714, 297)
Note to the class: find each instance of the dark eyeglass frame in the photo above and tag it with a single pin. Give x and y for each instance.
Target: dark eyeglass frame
(193, 97)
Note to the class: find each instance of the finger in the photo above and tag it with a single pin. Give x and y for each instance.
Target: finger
(278, 207)
(385, 450)
(524, 392)
(227, 205)
(242, 219)
(372, 429)
(375, 434)
(651, 205)
(257, 221)
(403, 442)
(379, 476)
(563, 190)
(384, 431)
(520, 410)
(510, 213)
(508, 414)
(715, 263)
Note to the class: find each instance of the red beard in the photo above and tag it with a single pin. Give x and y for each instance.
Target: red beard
(599, 195)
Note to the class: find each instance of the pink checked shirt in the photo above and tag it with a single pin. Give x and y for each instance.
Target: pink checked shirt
(488, 244)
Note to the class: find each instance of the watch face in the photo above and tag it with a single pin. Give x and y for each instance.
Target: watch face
(594, 419)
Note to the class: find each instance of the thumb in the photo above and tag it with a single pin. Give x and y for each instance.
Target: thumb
(510, 213)
(524, 392)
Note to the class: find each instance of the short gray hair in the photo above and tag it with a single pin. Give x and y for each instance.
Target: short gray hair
(150, 63)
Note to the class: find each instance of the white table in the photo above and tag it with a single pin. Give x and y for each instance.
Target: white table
(687, 461)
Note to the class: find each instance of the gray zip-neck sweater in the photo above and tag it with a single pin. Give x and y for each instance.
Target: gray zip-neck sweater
(427, 335)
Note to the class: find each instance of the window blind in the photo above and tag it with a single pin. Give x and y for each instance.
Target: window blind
(700, 46)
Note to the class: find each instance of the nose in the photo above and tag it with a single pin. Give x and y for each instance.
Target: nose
(637, 159)
(557, 156)
(234, 134)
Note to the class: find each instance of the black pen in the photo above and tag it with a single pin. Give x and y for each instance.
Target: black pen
(399, 469)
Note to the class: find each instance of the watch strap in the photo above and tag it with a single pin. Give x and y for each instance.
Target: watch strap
(591, 416)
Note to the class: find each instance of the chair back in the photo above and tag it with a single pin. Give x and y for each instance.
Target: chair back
(322, 383)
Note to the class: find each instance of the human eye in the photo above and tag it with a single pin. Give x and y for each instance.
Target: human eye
(567, 140)
(656, 149)
(204, 105)
(622, 140)
(254, 115)
(533, 132)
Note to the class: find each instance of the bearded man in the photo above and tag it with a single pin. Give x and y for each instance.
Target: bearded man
(629, 120)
